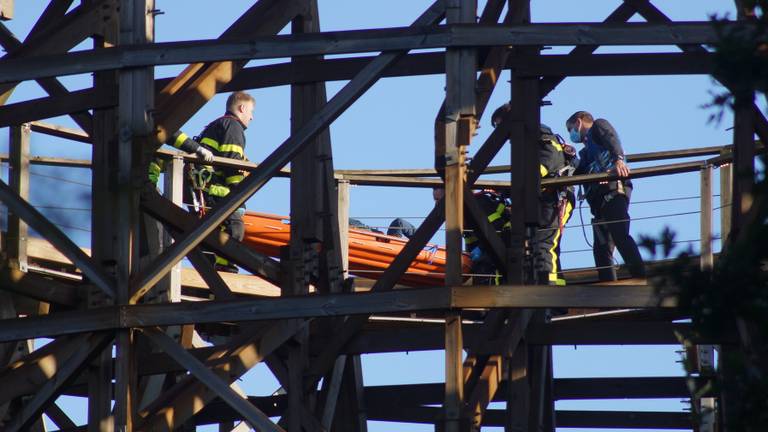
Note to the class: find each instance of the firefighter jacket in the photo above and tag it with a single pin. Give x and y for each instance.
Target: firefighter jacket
(179, 140)
(225, 137)
(552, 155)
(495, 206)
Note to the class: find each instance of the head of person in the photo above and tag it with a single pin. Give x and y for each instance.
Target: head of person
(241, 104)
(498, 116)
(578, 125)
(438, 193)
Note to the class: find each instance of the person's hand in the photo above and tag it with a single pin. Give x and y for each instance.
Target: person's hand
(204, 154)
(621, 168)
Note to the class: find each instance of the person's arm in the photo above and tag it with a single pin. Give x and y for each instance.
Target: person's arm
(181, 141)
(580, 163)
(605, 135)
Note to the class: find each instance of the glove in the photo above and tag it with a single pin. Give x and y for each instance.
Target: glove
(476, 254)
(204, 154)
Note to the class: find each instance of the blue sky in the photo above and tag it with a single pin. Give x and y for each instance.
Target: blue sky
(391, 127)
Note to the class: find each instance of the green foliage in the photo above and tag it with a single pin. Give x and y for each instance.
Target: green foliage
(732, 298)
(741, 57)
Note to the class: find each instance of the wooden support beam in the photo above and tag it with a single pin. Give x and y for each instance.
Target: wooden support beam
(707, 257)
(394, 39)
(502, 296)
(460, 123)
(622, 13)
(59, 417)
(199, 82)
(79, 24)
(414, 64)
(252, 414)
(178, 219)
(743, 159)
(66, 372)
(42, 225)
(15, 245)
(38, 287)
(189, 396)
(51, 85)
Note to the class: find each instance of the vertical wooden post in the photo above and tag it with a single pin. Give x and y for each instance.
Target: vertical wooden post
(460, 124)
(136, 100)
(726, 188)
(707, 258)
(173, 189)
(103, 237)
(524, 194)
(343, 194)
(518, 390)
(16, 241)
(743, 158)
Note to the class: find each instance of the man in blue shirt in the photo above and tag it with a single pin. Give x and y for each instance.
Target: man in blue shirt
(608, 201)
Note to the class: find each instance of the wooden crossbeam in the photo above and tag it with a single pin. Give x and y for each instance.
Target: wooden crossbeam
(199, 82)
(359, 41)
(41, 224)
(412, 65)
(51, 85)
(189, 396)
(411, 300)
(622, 13)
(66, 372)
(249, 412)
(77, 25)
(180, 221)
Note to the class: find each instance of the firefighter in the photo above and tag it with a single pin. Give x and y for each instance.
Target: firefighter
(224, 137)
(555, 204)
(496, 207)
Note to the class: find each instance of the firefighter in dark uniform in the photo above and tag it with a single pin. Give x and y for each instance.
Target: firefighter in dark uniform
(555, 204)
(223, 137)
(556, 159)
(496, 207)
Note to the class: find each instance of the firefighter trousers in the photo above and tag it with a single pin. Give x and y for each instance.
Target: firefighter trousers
(554, 212)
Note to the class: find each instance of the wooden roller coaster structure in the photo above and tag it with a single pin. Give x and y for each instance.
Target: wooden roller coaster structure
(125, 326)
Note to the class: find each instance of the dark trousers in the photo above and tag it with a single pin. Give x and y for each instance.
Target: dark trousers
(611, 230)
(546, 257)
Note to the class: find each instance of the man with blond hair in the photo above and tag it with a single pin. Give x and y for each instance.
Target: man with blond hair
(223, 137)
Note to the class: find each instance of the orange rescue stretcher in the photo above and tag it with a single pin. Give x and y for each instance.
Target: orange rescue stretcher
(370, 253)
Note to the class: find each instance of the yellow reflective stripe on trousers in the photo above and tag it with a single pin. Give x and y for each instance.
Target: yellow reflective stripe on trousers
(558, 234)
(180, 140)
(497, 214)
(235, 179)
(218, 190)
(212, 143)
(543, 170)
(232, 148)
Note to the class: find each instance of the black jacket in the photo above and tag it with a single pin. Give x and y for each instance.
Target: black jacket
(225, 137)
